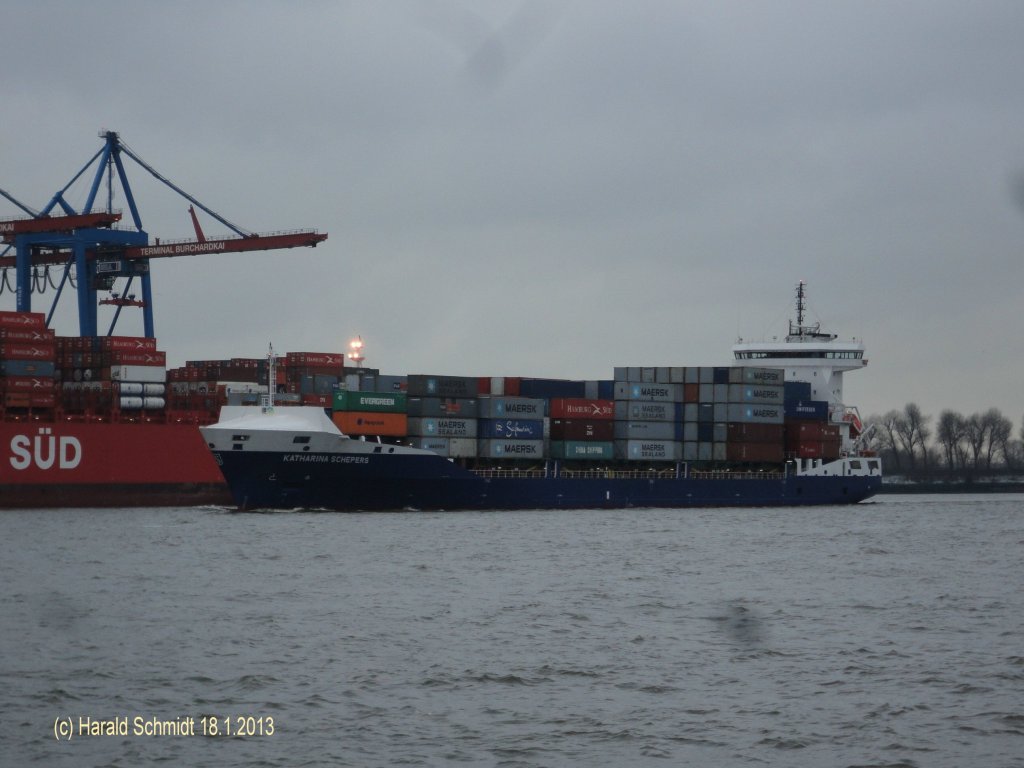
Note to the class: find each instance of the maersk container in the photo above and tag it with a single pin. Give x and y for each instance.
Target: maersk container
(151, 374)
(515, 407)
(510, 449)
(648, 430)
(635, 410)
(425, 385)
(742, 374)
(810, 410)
(375, 402)
(590, 450)
(762, 414)
(442, 427)
(451, 448)
(466, 408)
(756, 393)
(648, 450)
(510, 429)
(652, 392)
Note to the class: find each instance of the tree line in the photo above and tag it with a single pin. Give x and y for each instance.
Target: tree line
(959, 446)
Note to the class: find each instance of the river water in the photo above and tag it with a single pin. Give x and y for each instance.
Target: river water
(885, 634)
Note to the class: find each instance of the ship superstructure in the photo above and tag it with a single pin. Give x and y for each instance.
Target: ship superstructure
(814, 356)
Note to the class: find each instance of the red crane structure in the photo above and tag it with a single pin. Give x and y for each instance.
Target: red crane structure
(94, 253)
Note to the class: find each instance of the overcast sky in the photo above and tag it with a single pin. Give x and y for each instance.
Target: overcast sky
(556, 188)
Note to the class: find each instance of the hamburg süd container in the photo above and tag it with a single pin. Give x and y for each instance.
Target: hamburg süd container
(581, 408)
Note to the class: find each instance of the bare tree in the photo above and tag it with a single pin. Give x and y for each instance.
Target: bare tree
(912, 433)
(950, 432)
(997, 430)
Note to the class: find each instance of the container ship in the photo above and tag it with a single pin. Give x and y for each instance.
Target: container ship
(769, 430)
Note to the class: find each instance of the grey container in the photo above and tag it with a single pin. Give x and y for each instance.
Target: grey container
(707, 375)
(510, 449)
(442, 427)
(633, 410)
(756, 413)
(718, 452)
(690, 432)
(511, 407)
(704, 452)
(691, 412)
(645, 430)
(706, 393)
(691, 375)
(466, 408)
(720, 412)
(425, 385)
(648, 450)
(756, 393)
(690, 450)
(756, 375)
(721, 393)
(721, 433)
(625, 390)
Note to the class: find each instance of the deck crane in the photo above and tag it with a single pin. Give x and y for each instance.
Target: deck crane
(88, 242)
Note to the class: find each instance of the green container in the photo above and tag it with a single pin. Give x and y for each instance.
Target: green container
(372, 402)
(580, 450)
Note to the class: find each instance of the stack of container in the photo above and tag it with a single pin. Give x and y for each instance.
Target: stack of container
(648, 424)
(373, 414)
(510, 427)
(122, 377)
(313, 376)
(443, 413)
(581, 429)
(809, 435)
(28, 354)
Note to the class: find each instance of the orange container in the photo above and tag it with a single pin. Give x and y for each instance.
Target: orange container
(363, 423)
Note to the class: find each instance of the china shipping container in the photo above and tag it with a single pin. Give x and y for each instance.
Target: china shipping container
(588, 450)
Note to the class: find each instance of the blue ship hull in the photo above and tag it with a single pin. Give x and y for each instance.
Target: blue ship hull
(271, 480)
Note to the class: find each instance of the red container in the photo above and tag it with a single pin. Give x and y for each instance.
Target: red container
(743, 432)
(128, 343)
(512, 386)
(28, 335)
(582, 429)
(26, 384)
(324, 401)
(19, 350)
(483, 386)
(119, 357)
(580, 408)
(757, 453)
(22, 320)
(300, 359)
(691, 393)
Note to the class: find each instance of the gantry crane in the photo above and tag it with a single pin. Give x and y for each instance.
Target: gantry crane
(87, 242)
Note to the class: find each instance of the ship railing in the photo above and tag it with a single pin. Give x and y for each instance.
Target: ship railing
(723, 475)
(509, 473)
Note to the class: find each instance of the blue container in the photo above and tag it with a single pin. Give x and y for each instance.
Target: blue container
(510, 429)
(797, 390)
(27, 368)
(551, 388)
(606, 390)
(807, 410)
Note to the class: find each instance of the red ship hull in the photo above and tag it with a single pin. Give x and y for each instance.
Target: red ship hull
(100, 464)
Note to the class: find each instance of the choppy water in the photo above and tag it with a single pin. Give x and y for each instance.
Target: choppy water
(887, 634)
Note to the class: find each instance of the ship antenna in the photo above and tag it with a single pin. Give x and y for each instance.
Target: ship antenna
(800, 304)
(268, 399)
(356, 355)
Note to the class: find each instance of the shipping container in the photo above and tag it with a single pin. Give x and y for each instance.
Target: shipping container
(550, 388)
(648, 450)
(581, 408)
(771, 394)
(442, 427)
(650, 392)
(741, 374)
(764, 414)
(759, 453)
(28, 335)
(376, 402)
(747, 432)
(381, 424)
(648, 430)
(425, 385)
(811, 410)
(510, 449)
(510, 429)
(143, 373)
(796, 390)
(22, 320)
(124, 357)
(577, 430)
(28, 350)
(466, 408)
(589, 450)
(451, 448)
(517, 407)
(638, 410)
